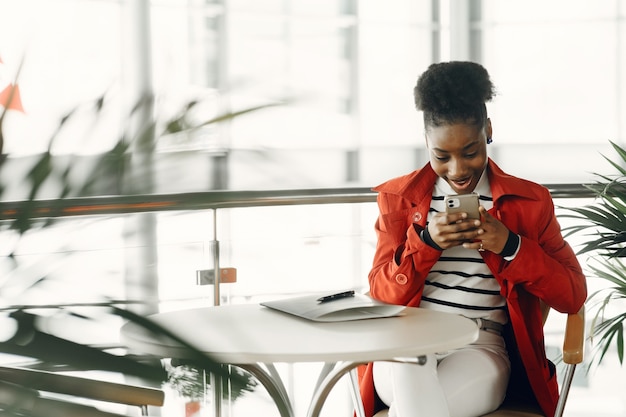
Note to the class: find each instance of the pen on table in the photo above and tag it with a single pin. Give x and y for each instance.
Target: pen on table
(337, 296)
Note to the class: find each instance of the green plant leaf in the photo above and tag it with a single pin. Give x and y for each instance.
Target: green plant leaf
(30, 342)
(620, 343)
(622, 154)
(199, 359)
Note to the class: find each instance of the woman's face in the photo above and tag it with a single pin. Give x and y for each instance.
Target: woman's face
(458, 153)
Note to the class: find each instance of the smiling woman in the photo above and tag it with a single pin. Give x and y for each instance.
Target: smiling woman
(473, 267)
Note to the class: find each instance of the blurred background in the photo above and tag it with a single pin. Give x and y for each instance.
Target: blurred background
(330, 83)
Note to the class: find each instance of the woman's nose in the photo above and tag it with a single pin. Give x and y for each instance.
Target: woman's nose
(456, 168)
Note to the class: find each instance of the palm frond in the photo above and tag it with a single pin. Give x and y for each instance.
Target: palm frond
(607, 330)
(602, 227)
(621, 152)
(614, 272)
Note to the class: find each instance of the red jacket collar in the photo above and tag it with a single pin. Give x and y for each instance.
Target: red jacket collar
(419, 184)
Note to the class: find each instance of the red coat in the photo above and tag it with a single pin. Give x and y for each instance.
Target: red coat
(545, 267)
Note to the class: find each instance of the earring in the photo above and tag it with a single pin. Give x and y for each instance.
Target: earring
(489, 140)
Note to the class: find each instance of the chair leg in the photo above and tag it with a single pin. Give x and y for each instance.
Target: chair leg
(326, 369)
(567, 382)
(356, 393)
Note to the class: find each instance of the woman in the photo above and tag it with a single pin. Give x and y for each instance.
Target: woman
(498, 270)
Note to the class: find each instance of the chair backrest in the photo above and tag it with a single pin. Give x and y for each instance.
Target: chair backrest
(574, 338)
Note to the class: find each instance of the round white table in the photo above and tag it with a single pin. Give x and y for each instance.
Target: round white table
(251, 335)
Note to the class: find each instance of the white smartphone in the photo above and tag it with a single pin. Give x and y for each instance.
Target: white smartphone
(467, 203)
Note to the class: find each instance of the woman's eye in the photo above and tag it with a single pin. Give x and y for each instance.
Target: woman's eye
(441, 158)
(471, 155)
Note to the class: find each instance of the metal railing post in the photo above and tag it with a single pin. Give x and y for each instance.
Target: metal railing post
(216, 380)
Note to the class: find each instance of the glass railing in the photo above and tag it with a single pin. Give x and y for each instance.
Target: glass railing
(280, 241)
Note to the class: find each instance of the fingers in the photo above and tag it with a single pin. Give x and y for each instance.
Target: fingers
(491, 235)
(479, 245)
(459, 219)
(448, 230)
(485, 214)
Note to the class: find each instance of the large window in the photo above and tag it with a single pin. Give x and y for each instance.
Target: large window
(345, 69)
(559, 67)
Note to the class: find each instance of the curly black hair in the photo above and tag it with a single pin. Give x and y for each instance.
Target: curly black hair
(454, 92)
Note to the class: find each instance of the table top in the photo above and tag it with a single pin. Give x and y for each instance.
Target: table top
(250, 333)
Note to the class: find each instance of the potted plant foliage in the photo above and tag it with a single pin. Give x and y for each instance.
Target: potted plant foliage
(52, 352)
(601, 225)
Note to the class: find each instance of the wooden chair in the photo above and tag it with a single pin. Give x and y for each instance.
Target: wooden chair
(573, 347)
(26, 391)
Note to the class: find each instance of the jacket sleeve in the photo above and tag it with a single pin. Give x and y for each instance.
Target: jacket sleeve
(546, 265)
(402, 260)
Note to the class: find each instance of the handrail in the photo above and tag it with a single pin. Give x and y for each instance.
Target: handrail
(123, 204)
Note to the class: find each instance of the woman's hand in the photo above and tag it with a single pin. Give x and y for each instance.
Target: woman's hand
(491, 234)
(449, 230)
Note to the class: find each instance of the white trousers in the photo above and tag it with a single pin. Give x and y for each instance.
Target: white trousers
(466, 382)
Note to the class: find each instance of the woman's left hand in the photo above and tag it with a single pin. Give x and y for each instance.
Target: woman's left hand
(492, 234)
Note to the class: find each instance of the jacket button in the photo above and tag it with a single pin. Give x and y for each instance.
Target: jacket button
(417, 216)
(401, 279)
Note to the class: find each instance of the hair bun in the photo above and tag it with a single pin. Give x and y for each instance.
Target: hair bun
(452, 91)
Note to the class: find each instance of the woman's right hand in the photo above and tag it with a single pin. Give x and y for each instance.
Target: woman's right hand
(449, 230)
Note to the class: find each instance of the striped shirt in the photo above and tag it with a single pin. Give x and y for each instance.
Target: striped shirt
(460, 281)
